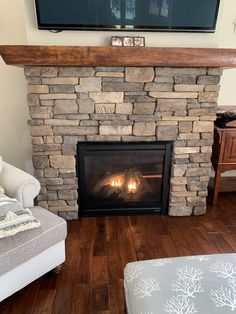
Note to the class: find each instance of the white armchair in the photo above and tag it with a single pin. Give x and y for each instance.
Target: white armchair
(19, 184)
(30, 254)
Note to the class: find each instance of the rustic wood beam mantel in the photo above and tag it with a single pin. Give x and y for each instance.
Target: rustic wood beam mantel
(117, 56)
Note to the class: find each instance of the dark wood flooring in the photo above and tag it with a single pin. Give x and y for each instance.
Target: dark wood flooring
(98, 249)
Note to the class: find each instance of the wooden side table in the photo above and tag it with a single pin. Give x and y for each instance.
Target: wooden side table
(223, 155)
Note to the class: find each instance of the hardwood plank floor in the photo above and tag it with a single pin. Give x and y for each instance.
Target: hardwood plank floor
(91, 281)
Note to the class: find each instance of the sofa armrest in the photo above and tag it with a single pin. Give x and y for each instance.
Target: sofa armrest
(19, 184)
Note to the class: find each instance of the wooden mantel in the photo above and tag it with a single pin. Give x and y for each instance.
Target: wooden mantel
(117, 56)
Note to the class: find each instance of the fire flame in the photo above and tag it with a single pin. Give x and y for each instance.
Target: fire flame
(116, 183)
(132, 187)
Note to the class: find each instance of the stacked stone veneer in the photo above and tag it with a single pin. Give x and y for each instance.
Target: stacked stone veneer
(71, 104)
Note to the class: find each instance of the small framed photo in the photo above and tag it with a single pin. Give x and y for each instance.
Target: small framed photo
(139, 41)
(117, 41)
(128, 41)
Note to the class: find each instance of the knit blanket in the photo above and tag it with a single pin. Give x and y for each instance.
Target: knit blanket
(14, 218)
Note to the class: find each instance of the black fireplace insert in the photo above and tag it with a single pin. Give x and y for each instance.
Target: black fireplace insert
(123, 178)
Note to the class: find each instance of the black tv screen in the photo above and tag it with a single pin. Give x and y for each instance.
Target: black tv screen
(153, 15)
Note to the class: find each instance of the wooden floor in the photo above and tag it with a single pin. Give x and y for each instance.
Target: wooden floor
(99, 248)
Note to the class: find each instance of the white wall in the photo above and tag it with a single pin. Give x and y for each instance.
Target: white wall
(15, 145)
(227, 39)
(18, 26)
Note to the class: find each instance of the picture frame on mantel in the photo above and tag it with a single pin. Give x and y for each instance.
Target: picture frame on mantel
(128, 41)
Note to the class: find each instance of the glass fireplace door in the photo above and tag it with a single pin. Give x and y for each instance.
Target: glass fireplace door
(123, 178)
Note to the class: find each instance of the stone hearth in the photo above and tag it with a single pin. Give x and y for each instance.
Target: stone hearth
(71, 104)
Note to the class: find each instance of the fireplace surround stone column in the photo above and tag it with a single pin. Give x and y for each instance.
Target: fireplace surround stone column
(121, 94)
(71, 104)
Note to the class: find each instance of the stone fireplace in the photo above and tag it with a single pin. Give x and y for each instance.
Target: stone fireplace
(121, 95)
(123, 104)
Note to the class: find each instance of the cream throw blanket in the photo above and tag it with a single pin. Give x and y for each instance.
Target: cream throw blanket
(14, 218)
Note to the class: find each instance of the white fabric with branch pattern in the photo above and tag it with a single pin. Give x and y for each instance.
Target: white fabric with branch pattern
(203, 284)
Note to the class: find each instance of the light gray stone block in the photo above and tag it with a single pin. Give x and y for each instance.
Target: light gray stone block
(197, 186)
(105, 108)
(41, 71)
(116, 122)
(41, 130)
(109, 69)
(60, 80)
(65, 106)
(72, 130)
(110, 74)
(115, 130)
(173, 95)
(41, 112)
(177, 210)
(124, 108)
(144, 128)
(138, 98)
(103, 138)
(132, 138)
(63, 162)
(122, 87)
(33, 100)
(31, 80)
(37, 89)
(196, 201)
(62, 88)
(158, 87)
(203, 158)
(107, 117)
(51, 173)
(144, 108)
(40, 162)
(86, 105)
(107, 97)
(164, 105)
(179, 170)
(215, 71)
(203, 126)
(144, 118)
(68, 149)
(167, 133)
(68, 195)
(164, 79)
(139, 74)
(163, 71)
(185, 127)
(185, 79)
(76, 71)
(188, 88)
(89, 84)
(208, 79)
(208, 96)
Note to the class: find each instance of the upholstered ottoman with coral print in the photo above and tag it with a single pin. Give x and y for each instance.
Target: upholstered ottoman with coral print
(203, 284)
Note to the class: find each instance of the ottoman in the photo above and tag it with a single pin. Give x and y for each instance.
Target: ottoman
(28, 255)
(204, 284)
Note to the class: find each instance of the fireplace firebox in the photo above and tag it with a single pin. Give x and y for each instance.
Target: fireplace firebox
(123, 178)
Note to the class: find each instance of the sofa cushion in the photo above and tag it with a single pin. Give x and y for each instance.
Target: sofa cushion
(191, 284)
(14, 218)
(23, 246)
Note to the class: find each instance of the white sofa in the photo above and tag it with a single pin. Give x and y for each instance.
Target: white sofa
(28, 255)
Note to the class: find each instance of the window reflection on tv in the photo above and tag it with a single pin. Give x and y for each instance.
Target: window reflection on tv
(166, 15)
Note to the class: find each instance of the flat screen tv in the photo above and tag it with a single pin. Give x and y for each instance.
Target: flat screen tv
(136, 15)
